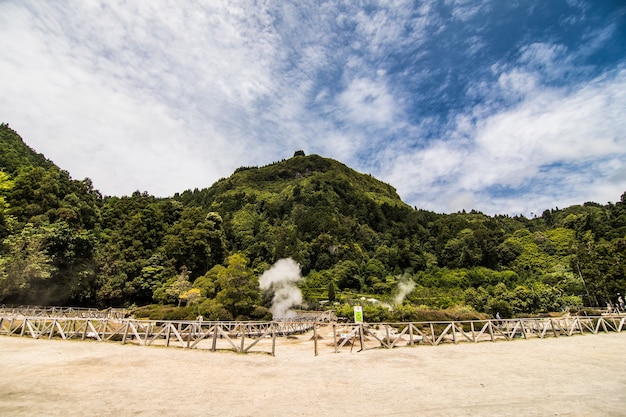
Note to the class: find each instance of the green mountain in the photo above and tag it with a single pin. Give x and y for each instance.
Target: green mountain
(314, 209)
(61, 242)
(14, 153)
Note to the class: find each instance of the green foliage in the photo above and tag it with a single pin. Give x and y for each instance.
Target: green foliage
(14, 153)
(239, 288)
(165, 312)
(25, 261)
(62, 242)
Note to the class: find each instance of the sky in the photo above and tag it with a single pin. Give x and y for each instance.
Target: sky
(505, 107)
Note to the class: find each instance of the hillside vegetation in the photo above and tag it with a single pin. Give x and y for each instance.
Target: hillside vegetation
(202, 251)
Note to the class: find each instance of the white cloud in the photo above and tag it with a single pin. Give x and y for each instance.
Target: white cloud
(366, 101)
(161, 97)
(139, 96)
(530, 148)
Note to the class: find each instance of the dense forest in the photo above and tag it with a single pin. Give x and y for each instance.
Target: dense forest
(202, 251)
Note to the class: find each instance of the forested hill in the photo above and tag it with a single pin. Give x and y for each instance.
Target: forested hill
(63, 243)
(14, 153)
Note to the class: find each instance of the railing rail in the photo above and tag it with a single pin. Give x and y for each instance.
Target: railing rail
(247, 336)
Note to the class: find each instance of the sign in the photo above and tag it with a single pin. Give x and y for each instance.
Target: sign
(358, 314)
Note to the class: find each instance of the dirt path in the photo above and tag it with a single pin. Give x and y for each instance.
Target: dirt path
(575, 376)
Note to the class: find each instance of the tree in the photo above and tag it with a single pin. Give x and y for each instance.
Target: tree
(348, 276)
(331, 291)
(6, 219)
(239, 293)
(174, 288)
(196, 240)
(25, 261)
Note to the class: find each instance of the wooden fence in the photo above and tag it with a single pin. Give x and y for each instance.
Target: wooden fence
(261, 336)
(391, 335)
(38, 311)
(237, 336)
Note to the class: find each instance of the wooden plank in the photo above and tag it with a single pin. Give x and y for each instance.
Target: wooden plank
(203, 335)
(34, 334)
(56, 322)
(262, 335)
(95, 332)
(134, 331)
(442, 335)
(156, 335)
(399, 336)
(349, 336)
(423, 335)
(375, 336)
(125, 332)
(228, 339)
(460, 330)
(486, 326)
(177, 334)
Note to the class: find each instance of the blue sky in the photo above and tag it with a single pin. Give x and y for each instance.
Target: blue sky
(508, 107)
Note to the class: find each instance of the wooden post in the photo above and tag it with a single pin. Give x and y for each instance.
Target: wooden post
(432, 333)
(273, 340)
(335, 337)
(214, 344)
(315, 337)
(84, 331)
(361, 336)
(148, 331)
(553, 329)
(454, 333)
(387, 343)
(125, 333)
(411, 334)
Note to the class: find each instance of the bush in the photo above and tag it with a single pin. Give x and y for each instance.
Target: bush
(261, 313)
(165, 312)
(214, 311)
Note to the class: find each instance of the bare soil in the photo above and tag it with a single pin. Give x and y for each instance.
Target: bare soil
(566, 376)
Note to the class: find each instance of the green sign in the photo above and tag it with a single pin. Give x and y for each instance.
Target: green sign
(358, 314)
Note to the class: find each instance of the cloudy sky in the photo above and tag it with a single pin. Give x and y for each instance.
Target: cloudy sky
(500, 106)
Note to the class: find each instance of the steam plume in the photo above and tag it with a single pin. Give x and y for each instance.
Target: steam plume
(282, 278)
(404, 288)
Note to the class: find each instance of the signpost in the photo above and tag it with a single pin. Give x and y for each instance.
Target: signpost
(358, 314)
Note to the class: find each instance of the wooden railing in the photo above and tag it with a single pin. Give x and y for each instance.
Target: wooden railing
(39, 311)
(261, 336)
(390, 335)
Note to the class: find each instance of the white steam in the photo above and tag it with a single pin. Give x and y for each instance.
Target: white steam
(282, 278)
(404, 288)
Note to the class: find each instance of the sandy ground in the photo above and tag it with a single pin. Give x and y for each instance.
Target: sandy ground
(566, 376)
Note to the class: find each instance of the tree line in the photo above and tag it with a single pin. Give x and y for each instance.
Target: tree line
(202, 251)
